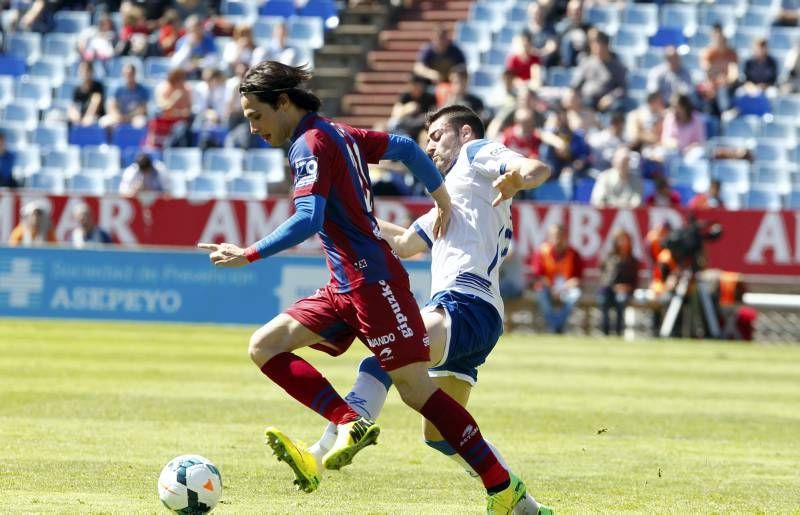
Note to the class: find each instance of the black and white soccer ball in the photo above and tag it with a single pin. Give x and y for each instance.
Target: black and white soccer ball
(190, 484)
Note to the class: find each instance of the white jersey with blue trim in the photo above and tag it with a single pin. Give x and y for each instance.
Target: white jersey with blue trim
(467, 259)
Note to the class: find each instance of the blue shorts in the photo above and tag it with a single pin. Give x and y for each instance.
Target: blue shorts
(473, 328)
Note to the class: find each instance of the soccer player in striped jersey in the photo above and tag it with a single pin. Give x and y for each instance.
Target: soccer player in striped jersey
(464, 317)
(368, 296)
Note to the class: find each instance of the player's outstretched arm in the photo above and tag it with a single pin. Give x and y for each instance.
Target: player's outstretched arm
(521, 174)
(405, 242)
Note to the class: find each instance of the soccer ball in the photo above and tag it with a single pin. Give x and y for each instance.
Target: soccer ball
(190, 484)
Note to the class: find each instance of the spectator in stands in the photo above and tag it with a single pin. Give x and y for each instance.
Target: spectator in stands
(684, 129)
(542, 34)
(211, 97)
(87, 99)
(600, 79)
(761, 70)
(523, 136)
(557, 269)
(670, 77)
(455, 92)
(278, 49)
(409, 112)
(572, 35)
(619, 275)
(604, 143)
(197, 8)
(618, 186)
(580, 117)
(142, 175)
(720, 60)
(134, 32)
(86, 233)
(711, 199)
(195, 50)
(98, 41)
(523, 61)
(35, 227)
(389, 179)
(240, 48)
(169, 32)
(564, 150)
(7, 161)
(644, 126)
(438, 57)
(128, 104)
(663, 195)
(174, 103)
(792, 66)
(526, 98)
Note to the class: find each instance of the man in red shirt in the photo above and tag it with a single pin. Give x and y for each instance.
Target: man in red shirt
(557, 270)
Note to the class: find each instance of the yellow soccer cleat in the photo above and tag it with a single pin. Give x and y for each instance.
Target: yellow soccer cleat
(503, 502)
(297, 457)
(352, 437)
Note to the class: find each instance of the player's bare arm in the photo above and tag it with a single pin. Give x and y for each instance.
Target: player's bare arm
(225, 254)
(443, 208)
(521, 174)
(404, 240)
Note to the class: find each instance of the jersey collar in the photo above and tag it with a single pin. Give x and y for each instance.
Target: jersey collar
(306, 122)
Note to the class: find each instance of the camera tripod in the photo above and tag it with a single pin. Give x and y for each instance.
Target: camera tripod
(677, 302)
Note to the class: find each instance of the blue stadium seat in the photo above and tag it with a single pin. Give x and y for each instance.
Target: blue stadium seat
(774, 176)
(787, 108)
(737, 7)
(248, 186)
(490, 17)
(604, 16)
(693, 175)
(559, 77)
(176, 184)
(28, 160)
(495, 57)
(49, 181)
(87, 184)
(52, 135)
(263, 28)
(667, 36)
(66, 159)
(207, 186)
(223, 161)
(734, 174)
(701, 38)
(15, 134)
(157, 67)
(631, 42)
(780, 131)
(640, 17)
(238, 8)
(116, 64)
(22, 113)
(722, 14)
(742, 127)
(685, 191)
(6, 90)
(128, 136)
(25, 45)
(783, 38)
(282, 8)
(767, 199)
(680, 16)
(12, 65)
(324, 9)
(551, 191)
(793, 201)
(270, 162)
(184, 160)
(473, 34)
(757, 105)
(583, 190)
(504, 37)
(102, 159)
(50, 68)
(769, 151)
(61, 46)
(306, 31)
(71, 22)
(35, 89)
(756, 18)
(83, 135)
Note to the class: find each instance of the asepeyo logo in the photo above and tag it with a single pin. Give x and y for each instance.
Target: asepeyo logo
(22, 281)
(468, 433)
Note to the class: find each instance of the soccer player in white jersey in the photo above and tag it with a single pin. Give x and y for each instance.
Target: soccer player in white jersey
(464, 317)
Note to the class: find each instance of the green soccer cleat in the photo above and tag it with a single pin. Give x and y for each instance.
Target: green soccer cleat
(504, 501)
(353, 436)
(546, 510)
(302, 462)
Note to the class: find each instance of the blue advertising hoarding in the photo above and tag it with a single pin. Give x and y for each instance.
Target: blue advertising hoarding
(160, 285)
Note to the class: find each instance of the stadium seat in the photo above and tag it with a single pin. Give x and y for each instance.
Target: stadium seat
(742, 127)
(769, 151)
(323, 9)
(640, 17)
(756, 18)
(87, 184)
(83, 135)
(28, 160)
(6, 90)
(787, 108)
(49, 181)
(731, 197)
(780, 132)
(495, 57)
(157, 67)
(667, 36)
(583, 190)
(184, 160)
(631, 42)
(771, 176)
(15, 134)
(24, 45)
(36, 89)
(61, 46)
(22, 113)
(491, 17)
(737, 7)
(248, 186)
(112, 183)
(71, 22)
(12, 65)
(685, 191)
(102, 159)
(52, 135)
(734, 174)
(128, 136)
(116, 64)
(66, 159)
(263, 28)
(783, 38)
(207, 186)
(679, 16)
(504, 37)
(693, 175)
(271, 162)
(551, 191)
(306, 31)
(559, 77)
(241, 8)
(603, 16)
(722, 14)
(50, 68)
(793, 201)
(223, 161)
(472, 34)
(757, 105)
(767, 199)
(282, 8)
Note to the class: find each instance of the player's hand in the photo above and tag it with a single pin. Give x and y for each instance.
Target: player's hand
(225, 254)
(443, 208)
(507, 185)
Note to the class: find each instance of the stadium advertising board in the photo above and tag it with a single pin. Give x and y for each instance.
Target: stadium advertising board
(755, 242)
(159, 285)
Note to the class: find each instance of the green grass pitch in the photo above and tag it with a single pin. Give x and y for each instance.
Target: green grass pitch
(90, 412)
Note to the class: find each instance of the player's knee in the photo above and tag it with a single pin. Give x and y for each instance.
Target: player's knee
(264, 344)
(440, 445)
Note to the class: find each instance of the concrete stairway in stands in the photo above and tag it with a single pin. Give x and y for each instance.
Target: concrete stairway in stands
(375, 90)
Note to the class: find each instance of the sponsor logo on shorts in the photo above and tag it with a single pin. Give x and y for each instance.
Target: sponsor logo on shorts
(381, 340)
(402, 326)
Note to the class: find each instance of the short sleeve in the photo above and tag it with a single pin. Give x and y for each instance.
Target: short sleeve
(311, 158)
(372, 144)
(424, 226)
(491, 158)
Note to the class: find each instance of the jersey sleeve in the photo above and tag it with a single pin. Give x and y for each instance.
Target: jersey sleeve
(491, 160)
(311, 158)
(424, 226)
(372, 143)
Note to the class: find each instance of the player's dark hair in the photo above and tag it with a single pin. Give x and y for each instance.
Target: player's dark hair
(458, 116)
(268, 80)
